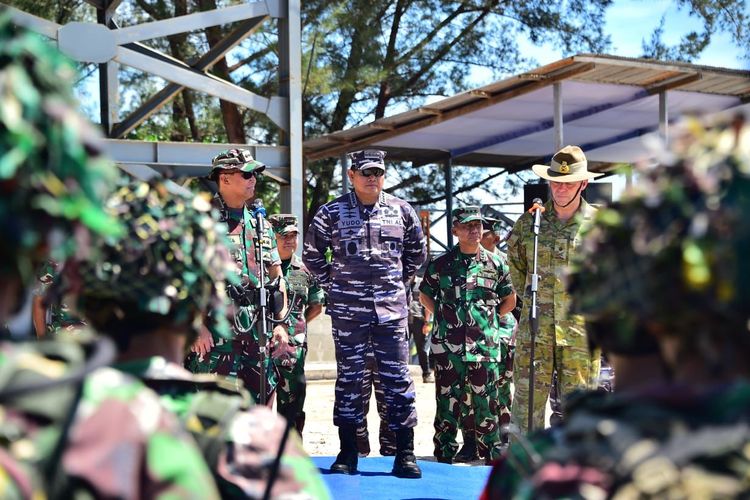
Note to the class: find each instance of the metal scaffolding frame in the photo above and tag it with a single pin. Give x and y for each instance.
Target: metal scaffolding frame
(107, 44)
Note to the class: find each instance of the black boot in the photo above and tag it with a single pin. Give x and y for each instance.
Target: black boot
(468, 452)
(405, 465)
(346, 461)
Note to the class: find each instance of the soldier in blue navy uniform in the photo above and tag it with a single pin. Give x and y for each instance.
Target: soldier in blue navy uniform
(377, 246)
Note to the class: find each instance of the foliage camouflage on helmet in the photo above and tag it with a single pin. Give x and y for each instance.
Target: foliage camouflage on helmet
(51, 177)
(674, 251)
(173, 259)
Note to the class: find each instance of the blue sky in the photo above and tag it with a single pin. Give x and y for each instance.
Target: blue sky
(630, 22)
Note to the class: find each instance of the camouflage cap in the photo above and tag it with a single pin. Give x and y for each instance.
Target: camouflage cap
(284, 223)
(173, 260)
(491, 224)
(52, 178)
(235, 159)
(367, 158)
(462, 215)
(674, 251)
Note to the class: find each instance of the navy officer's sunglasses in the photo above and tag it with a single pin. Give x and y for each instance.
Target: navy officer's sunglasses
(369, 172)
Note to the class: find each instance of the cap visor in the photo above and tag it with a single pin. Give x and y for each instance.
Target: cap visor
(372, 165)
(253, 166)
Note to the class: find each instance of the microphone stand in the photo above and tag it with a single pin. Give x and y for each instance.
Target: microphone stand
(533, 312)
(260, 227)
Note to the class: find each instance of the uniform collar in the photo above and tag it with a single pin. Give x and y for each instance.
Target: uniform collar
(481, 254)
(584, 211)
(354, 201)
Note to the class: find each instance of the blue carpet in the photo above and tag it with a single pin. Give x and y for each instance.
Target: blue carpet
(375, 482)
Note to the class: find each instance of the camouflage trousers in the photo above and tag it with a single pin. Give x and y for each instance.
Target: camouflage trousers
(386, 437)
(463, 388)
(239, 358)
(576, 368)
(504, 398)
(390, 347)
(292, 389)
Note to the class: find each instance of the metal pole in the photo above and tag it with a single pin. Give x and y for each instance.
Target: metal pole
(663, 117)
(344, 176)
(533, 319)
(108, 82)
(449, 199)
(290, 80)
(558, 115)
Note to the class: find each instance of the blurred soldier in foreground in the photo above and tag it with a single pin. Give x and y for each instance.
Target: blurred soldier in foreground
(69, 426)
(154, 311)
(560, 343)
(306, 301)
(662, 282)
(377, 246)
(469, 292)
(235, 173)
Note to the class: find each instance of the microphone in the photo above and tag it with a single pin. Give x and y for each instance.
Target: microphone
(537, 204)
(537, 208)
(257, 208)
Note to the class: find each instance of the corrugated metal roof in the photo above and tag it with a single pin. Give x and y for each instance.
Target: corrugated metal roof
(608, 103)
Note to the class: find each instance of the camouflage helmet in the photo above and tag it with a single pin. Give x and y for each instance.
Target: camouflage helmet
(52, 179)
(173, 260)
(673, 252)
(235, 159)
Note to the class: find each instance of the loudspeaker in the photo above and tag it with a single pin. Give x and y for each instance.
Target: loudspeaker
(531, 191)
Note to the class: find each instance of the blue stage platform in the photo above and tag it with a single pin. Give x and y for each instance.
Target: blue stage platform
(375, 482)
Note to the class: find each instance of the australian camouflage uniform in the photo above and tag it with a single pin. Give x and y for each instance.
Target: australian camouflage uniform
(561, 341)
(470, 346)
(375, 250)
(302, 291)
(65, 417)
(240, 356)
(239, 440)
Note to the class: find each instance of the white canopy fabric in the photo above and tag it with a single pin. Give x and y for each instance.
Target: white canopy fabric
(608, 104)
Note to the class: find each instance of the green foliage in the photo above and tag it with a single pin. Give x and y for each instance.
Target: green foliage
(368, 59)
(717, 16)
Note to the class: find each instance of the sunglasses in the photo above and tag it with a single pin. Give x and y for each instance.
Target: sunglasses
(249, 175)
(369, 172)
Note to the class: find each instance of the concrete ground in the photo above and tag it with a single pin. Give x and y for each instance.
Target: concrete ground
(321, 436)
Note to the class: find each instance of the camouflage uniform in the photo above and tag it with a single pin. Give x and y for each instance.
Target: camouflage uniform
(469, 344)
(303, 291)
(239, 442)
(69, 428)
(113, 436)
(669, 258)
(668, 442)
(240, 356)
(561, 341)
(375, 251)
(386, 437)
